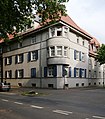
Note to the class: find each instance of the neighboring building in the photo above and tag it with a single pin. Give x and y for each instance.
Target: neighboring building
(52, 56)
(96, 71)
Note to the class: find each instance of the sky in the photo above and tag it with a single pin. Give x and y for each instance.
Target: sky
(89, 15)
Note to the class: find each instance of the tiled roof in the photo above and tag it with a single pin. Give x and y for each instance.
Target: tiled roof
(95, 41)
(70, 22)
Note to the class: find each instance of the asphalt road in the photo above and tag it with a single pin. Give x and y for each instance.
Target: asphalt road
(84, 103)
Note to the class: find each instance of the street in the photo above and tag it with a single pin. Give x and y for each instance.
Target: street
(86, 103)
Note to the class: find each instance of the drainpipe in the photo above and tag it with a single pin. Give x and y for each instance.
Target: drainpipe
(40, 64)
(1, 68)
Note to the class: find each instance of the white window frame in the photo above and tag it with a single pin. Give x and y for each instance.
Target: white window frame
(33, 40)
(90, 74)
(65, 51)
(20, 44)
(19, 73)
(59, 50)
(59, 29)
(8, 61)
(83, 56)
(77, 55)
(50, 71)
(52, 32)
(33, 55)
(52, 51)
(83, 73)
(8, 74)
(77, 72)
(19, 58)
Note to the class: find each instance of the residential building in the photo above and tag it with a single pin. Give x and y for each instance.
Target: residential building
(51, 56)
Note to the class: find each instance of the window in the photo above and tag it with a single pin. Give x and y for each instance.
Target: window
(65, 51)
(83, 42)
(52, 32)
(33, 55)
(76, 72)
(82, 73)
(77, 55)
(50, 71)
(8, 74)
(99, 74)
(52, 49)
(8, 48)
(33, 40)
(89, 73)
(66, 30)
(83, 56)
(59, 50)
(20, 44)
(77, 39)
(19, 73)
(59, 31)
(8, 60)
(95, 74)
(19, 58)
(33, 72)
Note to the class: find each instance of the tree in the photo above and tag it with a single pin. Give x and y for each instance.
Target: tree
(101, 54)
(15, 15)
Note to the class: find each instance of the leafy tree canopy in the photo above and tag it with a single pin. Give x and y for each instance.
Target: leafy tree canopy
(15, 15)
(101, 54)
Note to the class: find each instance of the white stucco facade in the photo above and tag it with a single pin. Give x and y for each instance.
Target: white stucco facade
(56, 56)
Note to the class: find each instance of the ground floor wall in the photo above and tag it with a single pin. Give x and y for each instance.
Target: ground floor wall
(56, 83)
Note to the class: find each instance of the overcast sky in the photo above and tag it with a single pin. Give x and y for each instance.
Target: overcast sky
(89, 15)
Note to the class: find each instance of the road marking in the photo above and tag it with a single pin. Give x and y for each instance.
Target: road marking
(62, 112)
(4, 100)
(38, 107)
(18, 103)
(98, 117)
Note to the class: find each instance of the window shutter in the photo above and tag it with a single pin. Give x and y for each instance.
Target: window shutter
(36, 54)
(11, 60)
(63, 71)
(16, 59)
(16, 74)
(22, 73)
(33, 72)
(10, 73)
(45, 71)
(69, 71)
(80, 58)
(85, 73)
(80, 72)
(74, 54)
(5, 61)
(29, 56)
(22, 57)
(74, 72)
(55, 71)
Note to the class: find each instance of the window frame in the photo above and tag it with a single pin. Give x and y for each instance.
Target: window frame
(20, 73)
(59, 50)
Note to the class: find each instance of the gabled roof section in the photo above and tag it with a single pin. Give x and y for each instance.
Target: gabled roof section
(70, 22)
(95, 41)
